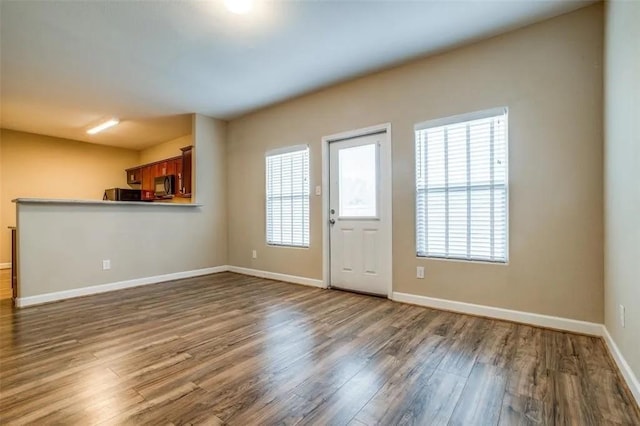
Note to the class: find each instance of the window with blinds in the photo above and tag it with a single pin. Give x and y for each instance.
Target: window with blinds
(287, 176)
(462, 187)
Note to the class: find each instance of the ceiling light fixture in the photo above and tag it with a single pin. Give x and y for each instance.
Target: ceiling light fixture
(239, 7)
(100, 127)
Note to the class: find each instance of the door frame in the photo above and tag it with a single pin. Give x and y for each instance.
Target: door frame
(387, 198)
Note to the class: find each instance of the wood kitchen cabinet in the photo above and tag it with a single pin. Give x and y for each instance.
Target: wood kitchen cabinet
(161, 168)
(171, 167)
(179, 166)
(148, 177)
(187, 164)
(166, 167)
(134, 176)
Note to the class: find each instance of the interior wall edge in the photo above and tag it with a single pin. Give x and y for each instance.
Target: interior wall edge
(529, 318)
(625, 369)
(39, 299)
(278, 277)
(621, 177)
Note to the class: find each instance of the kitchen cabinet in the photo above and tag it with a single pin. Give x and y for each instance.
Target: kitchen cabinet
(134, 176)
(187, 164)
(148, 176)
(179, 166)
(166, 167)
(171, 167)
(161, 168)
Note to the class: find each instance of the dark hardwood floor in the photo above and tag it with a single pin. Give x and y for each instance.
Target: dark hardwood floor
(231, 349)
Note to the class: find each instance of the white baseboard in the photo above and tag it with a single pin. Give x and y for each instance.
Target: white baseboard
(539, 320)
(278, 277)
(103, 288)
(22, 302)
(5, 265)
(623, 366)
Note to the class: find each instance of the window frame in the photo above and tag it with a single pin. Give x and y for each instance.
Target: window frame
(459, 119)
(282, 151)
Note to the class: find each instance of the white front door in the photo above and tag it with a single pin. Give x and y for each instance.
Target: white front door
(359, 213)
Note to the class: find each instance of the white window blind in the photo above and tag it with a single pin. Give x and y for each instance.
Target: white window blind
(462, 187)
(288, 197)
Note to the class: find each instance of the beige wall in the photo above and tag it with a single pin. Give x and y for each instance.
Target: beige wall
(622, 176)
(62, 246)
(550, 77)
(210, 185)
(40, 166)
(165, 150)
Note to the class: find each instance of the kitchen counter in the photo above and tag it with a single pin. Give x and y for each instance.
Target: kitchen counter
(103, 203)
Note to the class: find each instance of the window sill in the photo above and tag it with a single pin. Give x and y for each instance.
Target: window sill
(473, 261)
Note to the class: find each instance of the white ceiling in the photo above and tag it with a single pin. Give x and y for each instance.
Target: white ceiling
(65, 65)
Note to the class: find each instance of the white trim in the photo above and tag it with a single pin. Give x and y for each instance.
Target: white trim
(286, 150)
(538, 320)
(460, 119)
(470, 116)
(22, 302)
(267, 188)
(388, 199)
(276, 276)
(5, 265)
(326, 248)
(623, 366)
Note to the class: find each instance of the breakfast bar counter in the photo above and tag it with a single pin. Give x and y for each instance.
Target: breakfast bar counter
(59, 201)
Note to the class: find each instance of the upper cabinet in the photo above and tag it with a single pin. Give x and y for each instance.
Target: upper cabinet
(148, 176)
(187, 165)
(134, 176)
(179, 166)
(166, 167)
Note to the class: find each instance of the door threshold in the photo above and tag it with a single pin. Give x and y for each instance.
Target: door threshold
(364, 293)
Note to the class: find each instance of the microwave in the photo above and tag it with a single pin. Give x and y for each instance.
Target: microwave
(165, 185)
(121, 194)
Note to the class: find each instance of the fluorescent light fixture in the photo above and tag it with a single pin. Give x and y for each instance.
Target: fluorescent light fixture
(239, 6)
(100, 127)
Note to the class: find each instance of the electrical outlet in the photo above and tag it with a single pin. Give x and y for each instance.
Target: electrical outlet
(318, 190)
(420, 272)
(254, 254)
(622, 315)
(106, 265)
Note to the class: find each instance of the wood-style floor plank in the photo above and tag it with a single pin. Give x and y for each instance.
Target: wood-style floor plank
(238, 350)
(481, 399)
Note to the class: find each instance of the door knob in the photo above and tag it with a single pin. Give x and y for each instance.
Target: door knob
(332, 221)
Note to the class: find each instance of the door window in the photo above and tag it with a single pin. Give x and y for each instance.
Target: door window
(358, 181)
